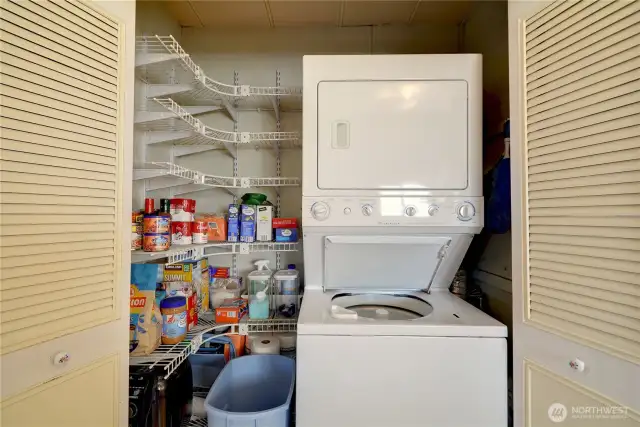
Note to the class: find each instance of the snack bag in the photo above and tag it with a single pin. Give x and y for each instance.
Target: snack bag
(145, 319)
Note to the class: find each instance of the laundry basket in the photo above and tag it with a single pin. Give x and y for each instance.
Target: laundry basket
(252, 391)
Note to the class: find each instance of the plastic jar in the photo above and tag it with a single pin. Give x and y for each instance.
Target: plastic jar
(174, 319)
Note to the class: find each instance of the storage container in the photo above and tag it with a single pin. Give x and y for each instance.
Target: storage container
(286, 291)
(252, 391)
(260, 291)
(206, 368)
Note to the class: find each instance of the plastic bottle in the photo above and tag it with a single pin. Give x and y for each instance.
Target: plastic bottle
(259, 291)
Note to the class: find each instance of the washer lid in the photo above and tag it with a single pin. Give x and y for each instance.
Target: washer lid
(376, 306)
(383, 263)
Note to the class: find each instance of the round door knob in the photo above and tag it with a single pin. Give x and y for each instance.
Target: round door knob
(367, 210)
(466, 211)
(320, 211)
(432, 210)
(410, 210)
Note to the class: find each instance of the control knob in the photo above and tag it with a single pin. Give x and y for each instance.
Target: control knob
(367, 210)
(432, 210)
(410, 210)
(466, 211)
(320, 211)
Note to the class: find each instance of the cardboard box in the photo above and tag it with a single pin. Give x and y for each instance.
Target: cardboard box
(247, 223)
(264, 228)
(286, 234)
(231, 310)
(233, 223)
(285, 223)
(219, 272)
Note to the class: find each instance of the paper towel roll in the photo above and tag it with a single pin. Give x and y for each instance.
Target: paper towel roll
(265, 345)
(287, 341)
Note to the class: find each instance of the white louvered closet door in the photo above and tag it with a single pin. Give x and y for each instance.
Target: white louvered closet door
(575, 110)
(65, 129)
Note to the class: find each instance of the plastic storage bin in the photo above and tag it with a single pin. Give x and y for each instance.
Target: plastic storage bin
(252, 391)
(206, 368)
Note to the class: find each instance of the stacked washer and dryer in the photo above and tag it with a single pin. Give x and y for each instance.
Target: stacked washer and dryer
(392, 197)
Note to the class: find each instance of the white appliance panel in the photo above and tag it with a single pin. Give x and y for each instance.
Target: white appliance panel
(402, 134)
(369, 381)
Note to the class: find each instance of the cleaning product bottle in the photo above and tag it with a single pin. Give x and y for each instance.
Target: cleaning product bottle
(260, 290)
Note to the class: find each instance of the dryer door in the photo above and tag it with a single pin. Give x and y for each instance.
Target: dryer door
(404, 134)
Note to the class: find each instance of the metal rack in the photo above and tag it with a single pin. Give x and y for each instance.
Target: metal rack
(194, 252)
(202, 181)
(154, 52)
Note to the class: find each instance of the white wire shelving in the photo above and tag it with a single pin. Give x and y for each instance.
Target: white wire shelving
(169, 357)
(195, 422)
(155, 56)
(203, 181)
(194, 252)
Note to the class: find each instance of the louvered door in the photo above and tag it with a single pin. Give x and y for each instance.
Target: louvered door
(575, 109)
(65, 127)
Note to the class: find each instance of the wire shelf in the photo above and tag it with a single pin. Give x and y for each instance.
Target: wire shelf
(159, 169)
(195, 422)
(156, 54)
(194, 252)
(201, 134)
(169, 357)
(268, 325)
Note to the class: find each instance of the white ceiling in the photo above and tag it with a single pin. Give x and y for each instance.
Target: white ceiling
(342, 13)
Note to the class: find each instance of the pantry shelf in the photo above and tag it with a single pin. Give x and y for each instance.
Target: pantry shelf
(156, 57)
(193, 252)
(267, 325)
(201, 134)
(169, 357)
(204, 181)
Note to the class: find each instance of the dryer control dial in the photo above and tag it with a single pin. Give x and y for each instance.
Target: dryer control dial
(367, 210)
(465, 211)
(410, 210)
(320, 211)
(432, 210)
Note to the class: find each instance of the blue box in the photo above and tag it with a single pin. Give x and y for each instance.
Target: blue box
(248, 216)
(286, 234)
(233, 225)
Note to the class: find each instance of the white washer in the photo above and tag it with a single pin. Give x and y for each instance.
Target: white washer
(392, 196)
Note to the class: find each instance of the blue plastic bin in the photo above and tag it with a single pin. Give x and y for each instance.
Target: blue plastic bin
(252, 391)
(206, 368)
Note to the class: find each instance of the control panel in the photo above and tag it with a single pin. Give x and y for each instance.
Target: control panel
(393, 211)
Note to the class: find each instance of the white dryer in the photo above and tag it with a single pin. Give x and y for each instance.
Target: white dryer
(392, 196)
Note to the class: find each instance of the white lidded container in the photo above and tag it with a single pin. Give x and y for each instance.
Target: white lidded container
(260, 291)
(287, 288)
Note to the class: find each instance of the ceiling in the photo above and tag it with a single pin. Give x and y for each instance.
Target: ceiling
(340, 13)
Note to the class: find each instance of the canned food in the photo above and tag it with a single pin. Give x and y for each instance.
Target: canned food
(136, 217)
(156, 224)
(182, 209)
(156, 242)
(181, 233)
(199, 229)
(136, 236)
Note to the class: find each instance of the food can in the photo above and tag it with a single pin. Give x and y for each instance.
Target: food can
(136, 217)
(199, 230)
(136, 236)
(183, 209)
(181, 233)
(156, 224)
(156, 242)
